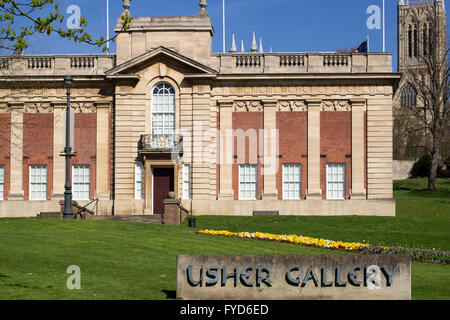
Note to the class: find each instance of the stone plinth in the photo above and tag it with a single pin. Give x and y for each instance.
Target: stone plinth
(294, 277)
(173, 214)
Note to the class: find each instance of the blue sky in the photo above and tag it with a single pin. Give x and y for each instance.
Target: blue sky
(284, 25)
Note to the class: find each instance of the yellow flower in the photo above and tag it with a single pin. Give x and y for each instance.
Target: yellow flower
(303, 240)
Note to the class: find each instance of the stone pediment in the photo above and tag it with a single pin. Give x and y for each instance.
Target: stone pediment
(186, 65)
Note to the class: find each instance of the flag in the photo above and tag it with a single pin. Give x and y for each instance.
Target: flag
(363, 47)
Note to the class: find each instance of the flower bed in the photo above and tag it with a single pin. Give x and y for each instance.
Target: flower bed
(434, 255)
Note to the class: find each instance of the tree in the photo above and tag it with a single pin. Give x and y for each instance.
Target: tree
(21, 19)
(429, 77)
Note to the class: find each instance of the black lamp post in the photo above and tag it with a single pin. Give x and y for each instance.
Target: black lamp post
(68, 212)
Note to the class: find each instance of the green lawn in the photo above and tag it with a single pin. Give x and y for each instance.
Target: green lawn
(125, 260)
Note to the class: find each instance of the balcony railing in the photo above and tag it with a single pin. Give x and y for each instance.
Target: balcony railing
(161, 143)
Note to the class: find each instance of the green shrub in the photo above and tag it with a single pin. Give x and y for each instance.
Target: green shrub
(421, 167)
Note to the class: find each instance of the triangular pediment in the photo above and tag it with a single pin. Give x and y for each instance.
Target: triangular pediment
(175, 59)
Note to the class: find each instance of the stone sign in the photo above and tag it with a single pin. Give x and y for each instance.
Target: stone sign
(293, 277)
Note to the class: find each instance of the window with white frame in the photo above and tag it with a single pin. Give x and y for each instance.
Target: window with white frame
(163, 109)
(292, 179)
(2, 183)
(248, 182)
(336, 181)
(186, 181)
(81, 182)
(38, 182)
(138, 181)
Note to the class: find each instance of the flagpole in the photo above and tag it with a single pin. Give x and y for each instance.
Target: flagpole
(384, 28)
(107, 25)
(223, 17)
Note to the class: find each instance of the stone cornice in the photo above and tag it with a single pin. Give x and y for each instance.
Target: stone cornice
(225, 103)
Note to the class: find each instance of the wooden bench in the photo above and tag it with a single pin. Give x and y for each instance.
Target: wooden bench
(266, 213)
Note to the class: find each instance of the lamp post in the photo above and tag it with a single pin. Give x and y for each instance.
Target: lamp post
(68, 212)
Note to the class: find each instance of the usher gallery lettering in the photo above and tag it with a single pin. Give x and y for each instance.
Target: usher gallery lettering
(370, 276)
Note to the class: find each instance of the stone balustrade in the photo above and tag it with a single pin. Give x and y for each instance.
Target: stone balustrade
(249, 61)
(231, 63)
(56, 65)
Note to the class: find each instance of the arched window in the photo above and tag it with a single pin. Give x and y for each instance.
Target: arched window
(425, 40)
(416, 41)
(431, 39)
(409, 96)
(410, 42)
(163, 110)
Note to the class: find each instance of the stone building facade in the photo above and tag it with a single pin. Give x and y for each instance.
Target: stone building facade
(230, 134)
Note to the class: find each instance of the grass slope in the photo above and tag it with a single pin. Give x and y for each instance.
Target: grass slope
(125, 260)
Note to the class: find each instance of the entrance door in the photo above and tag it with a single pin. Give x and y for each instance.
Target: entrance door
(163, 183)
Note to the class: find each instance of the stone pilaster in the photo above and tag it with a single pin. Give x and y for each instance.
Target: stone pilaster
(16, 163)
(314, 191)
(102, 165)
(59, 167)
(226, 150)
(271, 148)
(148, 187)
(358, 188)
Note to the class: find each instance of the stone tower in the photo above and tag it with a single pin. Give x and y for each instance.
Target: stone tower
(414, 31)
(175, 33)
(422, 28)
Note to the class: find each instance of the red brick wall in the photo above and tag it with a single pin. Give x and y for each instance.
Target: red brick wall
(335, 144)
(37, 148)
(5, 148)
(86, 144)
(246, 121)
(293, 133)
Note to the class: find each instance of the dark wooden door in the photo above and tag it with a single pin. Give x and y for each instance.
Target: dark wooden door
(163, 183)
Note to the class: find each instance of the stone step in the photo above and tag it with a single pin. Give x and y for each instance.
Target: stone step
(156, 219)
(266, 213)
(49, 215)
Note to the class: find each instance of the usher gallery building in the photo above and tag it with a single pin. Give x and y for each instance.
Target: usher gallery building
(229, 134)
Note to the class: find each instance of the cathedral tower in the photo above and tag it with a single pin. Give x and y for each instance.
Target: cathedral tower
(415, 31)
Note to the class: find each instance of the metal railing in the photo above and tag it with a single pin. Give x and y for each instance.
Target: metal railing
(160, 143)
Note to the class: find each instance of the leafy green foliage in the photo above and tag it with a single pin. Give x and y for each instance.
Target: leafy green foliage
(421, 167)
(21, 19)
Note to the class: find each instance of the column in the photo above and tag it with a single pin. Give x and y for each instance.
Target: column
(271, 150)
(148, 187)
(102, 165)
(358, 188)
(16, 187)
(226, 150)
(314, 190)
(59, 167)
